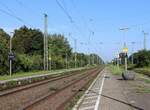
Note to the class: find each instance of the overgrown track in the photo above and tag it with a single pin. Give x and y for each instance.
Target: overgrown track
(26, 95)
(58, 99)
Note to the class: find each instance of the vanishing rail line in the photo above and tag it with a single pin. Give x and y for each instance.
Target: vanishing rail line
(21, 96)
(52, 98)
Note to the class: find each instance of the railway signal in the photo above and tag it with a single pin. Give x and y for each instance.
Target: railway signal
(11, 56)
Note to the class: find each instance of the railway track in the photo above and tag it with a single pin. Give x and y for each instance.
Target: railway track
(58, 99)
(22, 96)
(18, 89)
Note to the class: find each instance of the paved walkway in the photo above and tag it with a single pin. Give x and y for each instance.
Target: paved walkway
(105, 93)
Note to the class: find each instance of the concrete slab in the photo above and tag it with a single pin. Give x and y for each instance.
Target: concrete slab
(107, 92)
(113, 97)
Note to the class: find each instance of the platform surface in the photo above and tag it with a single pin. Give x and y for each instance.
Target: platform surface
(105, 93)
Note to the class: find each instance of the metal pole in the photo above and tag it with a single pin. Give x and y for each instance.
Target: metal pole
(81, 61)
(47, 49)
(132, 57)
(75, 53)
(89, 48)
(46, 60)
(10, 61)
(97, 60)
(93, 58)
(126, 64)
(125, 59)
(144, 43)
(75, 42)
(66, 61)
(89, 59)
(50, 57)
(118, 62)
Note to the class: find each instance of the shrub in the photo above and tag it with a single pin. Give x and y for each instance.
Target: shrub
(142, 58)
(26, 63)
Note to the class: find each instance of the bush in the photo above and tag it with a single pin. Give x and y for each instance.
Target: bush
(4, 50)
(26, 63)
(142, 58)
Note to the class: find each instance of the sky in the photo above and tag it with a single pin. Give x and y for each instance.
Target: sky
(95, 24)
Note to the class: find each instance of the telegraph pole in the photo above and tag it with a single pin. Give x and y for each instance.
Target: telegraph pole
(145, 39)
(46, 63)
(91, 33)
(50, 57)
(132, 57)
(66, 60)
(75, 49)
(10, 51)
(93, 58)
(82, 63)
(97, 60)
(75, 44)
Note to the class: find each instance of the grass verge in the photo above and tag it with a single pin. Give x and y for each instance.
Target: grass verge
(115, 70)
(142, 89)
(16, 83)
(27, 74)
(145, 71)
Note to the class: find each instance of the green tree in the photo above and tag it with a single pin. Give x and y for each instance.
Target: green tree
(59, 49)
(28, 48)
(141, 58)
(4, 50)
(28, 41)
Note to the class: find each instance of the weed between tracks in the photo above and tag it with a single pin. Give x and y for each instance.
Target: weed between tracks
(53, 88)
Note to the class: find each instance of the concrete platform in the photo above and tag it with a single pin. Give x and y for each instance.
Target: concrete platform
(105, 93)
